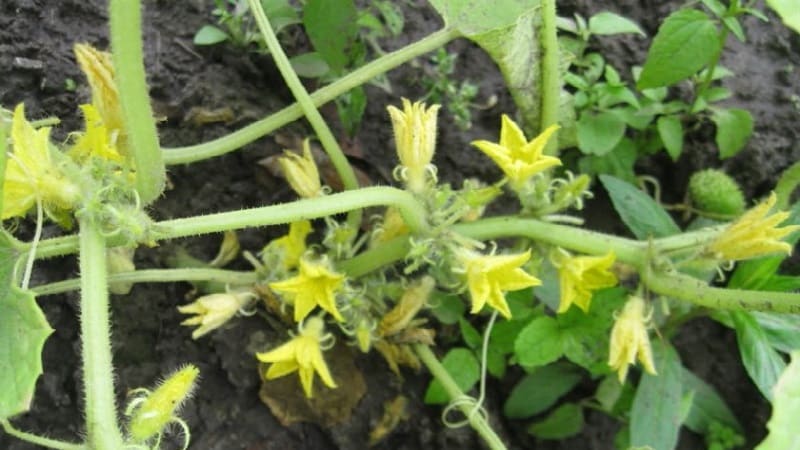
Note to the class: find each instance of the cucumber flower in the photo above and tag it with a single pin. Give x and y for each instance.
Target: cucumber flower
(488, 277)
(100, 73)
(629, 339)
(96, 140)
(291, 246)
(315, 285)
(31, 172)
(415, 139)
(754, 234)
(301, 171)
(516, 157)
(214, 310)
(580, 276)
(302, 354)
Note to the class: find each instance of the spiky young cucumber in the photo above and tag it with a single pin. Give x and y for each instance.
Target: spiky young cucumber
(715, 192)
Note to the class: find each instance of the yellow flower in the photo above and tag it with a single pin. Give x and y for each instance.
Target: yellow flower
(489, 276)
(301, 171)
(96, 140)
(580, 276)
(754, 234)
(214, 310)
(415, 138)
(99, 71)
(629, 339)
(302, 354)
(516, 157)
(390, 227)
(31, 172)
(314, 285)
(292, 246)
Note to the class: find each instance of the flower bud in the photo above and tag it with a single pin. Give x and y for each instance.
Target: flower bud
(213, 310)
(301, 172)
(415, 138)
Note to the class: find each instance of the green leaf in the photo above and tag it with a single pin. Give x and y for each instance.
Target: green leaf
(707, 406)
(609, 23)
(539, 343)
(280, 14)
(331, 26)
(761, 361)
(540, 390)
(209, 35)
(504, 334)
(462, 365)
(788, 11)
(785, 410)
(670, 130)
(447, 308)
(351, 107)
(309, 65)
(23, 331)
(472, 17)
(392, 16)
(685, 43)
(782, 330)
(656, 410)
(643, 216)
(562, 423)
(619, 162)
(471, 336)
(734, 127)
(599, 133)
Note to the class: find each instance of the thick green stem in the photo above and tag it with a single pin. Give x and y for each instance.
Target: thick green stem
(692, 290)
(250, 133)
(476, 420)
(102, 430)
(126, 44)
(39, 440)
(551, 82)
(326, 138)
(231, 277)
(787, 184)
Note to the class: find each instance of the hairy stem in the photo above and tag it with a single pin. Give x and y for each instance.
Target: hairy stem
(39, 440)
(329, 143)
(126, 44)
(476, 421)
(250, 133)
(551, 82)
(102, 430)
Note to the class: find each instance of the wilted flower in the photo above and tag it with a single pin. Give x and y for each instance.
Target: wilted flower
(315, 285)
(488, 277)
(31, 172)
(754, 234)
(580, 276)
(96, 140)
(302, 354)
(629, 339)
(415, 138)
(99, 71)
(213, 310)
(516, 157)
(301, 171)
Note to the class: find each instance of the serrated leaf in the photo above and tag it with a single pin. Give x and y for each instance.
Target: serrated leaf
(540, 390)
(331, 25)
(599, 133)
(670, 130)
(707, 406)
(734, 127)
(643, 216)
(656, 409)
(462, 365)
(685, 43)
(565, 421)
(761, 361)
(606, 22)
(23, 331)
(785, 410)
(539, 343)
(788, 11)
(209, 35)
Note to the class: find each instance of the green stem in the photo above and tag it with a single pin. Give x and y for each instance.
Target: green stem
(692, 290)
(98, 375)
(477, 421)
(231, 277)
(788, 182)
(723, 36)
(379, 256)
(39, 440)
(248, 134)
(142, 139)
(551, 82)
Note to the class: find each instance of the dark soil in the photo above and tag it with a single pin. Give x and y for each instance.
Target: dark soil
(36, 39)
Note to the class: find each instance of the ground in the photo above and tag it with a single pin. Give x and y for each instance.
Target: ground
(36, 62)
